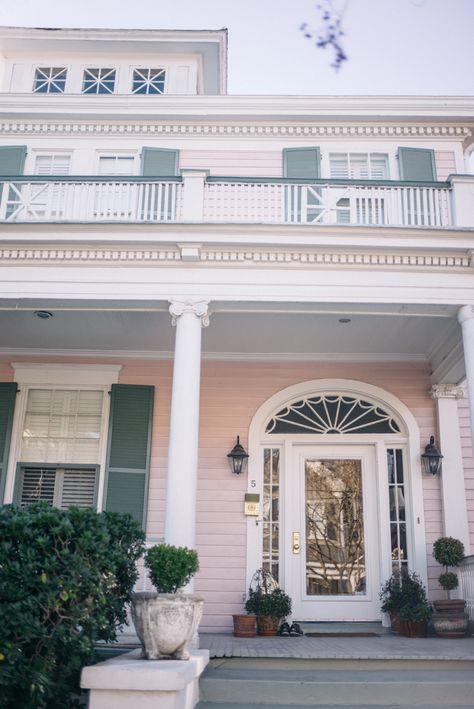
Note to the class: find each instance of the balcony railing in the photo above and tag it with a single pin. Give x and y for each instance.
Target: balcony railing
(197, 198)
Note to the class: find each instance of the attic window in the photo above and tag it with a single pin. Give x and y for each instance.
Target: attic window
(99, 81)
(50, 80)
(148, 81)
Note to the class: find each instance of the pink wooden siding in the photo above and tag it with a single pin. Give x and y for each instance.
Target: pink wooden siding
(234, 163)
(445, 164)
(468, 463)
(231, 392)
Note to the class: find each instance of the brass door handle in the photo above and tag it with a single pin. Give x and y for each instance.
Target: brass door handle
(296, 543)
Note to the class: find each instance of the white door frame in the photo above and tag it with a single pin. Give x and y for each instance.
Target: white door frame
(408, 440)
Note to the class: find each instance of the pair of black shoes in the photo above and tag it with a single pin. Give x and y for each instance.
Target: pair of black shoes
(286, 630)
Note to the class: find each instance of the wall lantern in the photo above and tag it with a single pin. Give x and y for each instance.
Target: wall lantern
(431, 458)
(237, 458)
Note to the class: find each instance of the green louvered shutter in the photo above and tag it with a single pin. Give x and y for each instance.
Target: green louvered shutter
(12, 160)
(7, 405)
(128, 449)
(301, 163)
(417, 164)
(159, 162)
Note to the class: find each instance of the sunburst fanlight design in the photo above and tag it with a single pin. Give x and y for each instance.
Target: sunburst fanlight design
(332, 413)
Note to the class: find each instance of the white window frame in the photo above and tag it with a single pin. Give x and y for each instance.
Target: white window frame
(368, 154)
(131, 154)
(60, 376)
(99, 65)
(142, 67)
(36, 66)
(51, 154)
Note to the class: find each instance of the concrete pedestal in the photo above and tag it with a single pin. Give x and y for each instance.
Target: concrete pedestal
(128, 681)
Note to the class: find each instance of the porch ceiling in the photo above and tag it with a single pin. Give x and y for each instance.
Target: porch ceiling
(237, 330)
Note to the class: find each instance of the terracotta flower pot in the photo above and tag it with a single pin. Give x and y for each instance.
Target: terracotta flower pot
(244, 626)
(267, 625)
(395, 622)
(414, 628)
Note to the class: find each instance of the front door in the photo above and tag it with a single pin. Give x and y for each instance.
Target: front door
(332, 550)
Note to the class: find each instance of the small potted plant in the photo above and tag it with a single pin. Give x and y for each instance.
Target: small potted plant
(167, 620)
(450, 619)
(414, 619)
(270, 609)
(403, 589)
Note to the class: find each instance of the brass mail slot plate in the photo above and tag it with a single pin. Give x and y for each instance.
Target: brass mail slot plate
(251, 505)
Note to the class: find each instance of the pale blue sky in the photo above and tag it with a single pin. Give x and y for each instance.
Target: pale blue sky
(394, 46)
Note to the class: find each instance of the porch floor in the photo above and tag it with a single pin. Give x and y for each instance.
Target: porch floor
(382, 646)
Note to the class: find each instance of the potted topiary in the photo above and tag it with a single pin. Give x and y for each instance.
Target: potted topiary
(270, 609)
(166, 620)
(450, 619)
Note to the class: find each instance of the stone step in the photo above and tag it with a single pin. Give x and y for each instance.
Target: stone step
(233, 705)
(336, 687)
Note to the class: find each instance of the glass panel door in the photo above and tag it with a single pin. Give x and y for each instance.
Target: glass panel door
(335, 550)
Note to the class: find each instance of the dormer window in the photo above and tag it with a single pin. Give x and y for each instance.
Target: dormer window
(50, 80)
(99, 81)
(148, 81)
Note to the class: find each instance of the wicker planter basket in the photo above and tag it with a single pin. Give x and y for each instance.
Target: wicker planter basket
(267, 625)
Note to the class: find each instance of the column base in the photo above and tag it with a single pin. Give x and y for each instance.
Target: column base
(128, 681)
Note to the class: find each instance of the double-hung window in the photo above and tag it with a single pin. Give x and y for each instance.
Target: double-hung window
(359, 166)
(60, 447)
(50, 80)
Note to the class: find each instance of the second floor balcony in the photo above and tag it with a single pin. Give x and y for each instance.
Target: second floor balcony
(196, 197)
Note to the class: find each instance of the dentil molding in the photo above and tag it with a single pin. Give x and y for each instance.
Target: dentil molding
(237, 256)
(225, 129)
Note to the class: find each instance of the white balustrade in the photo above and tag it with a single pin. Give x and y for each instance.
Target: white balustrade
(222, 201)
(70, 201)
(466, 584)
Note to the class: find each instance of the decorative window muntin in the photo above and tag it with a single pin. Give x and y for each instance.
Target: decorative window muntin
(359, 166)
(99, 81)
(50, 80)
(332, 414)
(271, 511)
(148, 81)
(397, 509)
(52, 164)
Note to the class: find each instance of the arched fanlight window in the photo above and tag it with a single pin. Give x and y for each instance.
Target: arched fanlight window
(332, 413)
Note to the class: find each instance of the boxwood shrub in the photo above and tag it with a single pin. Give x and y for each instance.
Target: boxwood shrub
(65, 577)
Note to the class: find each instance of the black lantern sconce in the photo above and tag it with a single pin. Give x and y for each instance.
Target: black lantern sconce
(431, 458)
(238, 458)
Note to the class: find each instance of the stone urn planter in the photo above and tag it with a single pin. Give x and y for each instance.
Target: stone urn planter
(450, 619)
(166, 623)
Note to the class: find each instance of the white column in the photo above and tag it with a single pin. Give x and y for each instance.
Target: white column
(466, 318)
(189, 316)
(452, 475)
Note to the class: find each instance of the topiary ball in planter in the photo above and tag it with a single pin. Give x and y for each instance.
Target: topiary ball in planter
(166, 621)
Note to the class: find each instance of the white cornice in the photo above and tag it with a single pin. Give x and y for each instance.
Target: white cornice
(109, 125)
(236, 256)
(214, 356)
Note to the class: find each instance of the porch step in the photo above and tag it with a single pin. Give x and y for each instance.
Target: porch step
(356, 685)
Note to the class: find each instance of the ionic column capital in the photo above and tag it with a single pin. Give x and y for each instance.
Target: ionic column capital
(446, 391)
(199, 308)
(466, 312)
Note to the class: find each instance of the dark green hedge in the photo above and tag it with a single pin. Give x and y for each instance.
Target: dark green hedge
(65, 577)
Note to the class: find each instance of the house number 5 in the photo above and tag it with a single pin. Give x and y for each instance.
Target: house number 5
(253, 483)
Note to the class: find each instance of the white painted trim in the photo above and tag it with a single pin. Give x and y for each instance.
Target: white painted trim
(410, 442)
(224, 356)
(67, 374)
